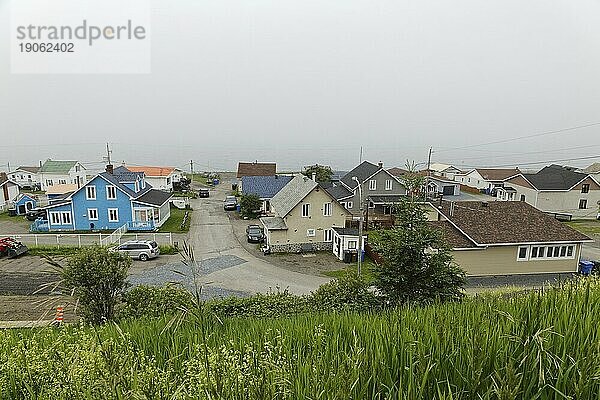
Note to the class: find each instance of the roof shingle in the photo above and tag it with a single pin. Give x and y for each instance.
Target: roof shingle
(264, 187)
(256, 169)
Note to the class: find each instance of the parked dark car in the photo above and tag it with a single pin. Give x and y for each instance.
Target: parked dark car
(255, 234)
(230, 203)
(35, 213)
(203, 192)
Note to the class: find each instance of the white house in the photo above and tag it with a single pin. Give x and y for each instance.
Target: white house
(160, 178)
(55, 172)
(444, 170)
(9, 191)
(486, 178)
(25, 177)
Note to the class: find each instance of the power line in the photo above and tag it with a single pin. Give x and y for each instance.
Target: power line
(553, 132)
(538, 162)
(533, 152)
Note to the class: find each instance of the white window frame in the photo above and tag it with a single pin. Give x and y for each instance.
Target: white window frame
(527, 251)
(117, 215)
(585, 203)
(311, 232)
(49, 182)
(54, 218)
(326, 233)
(64, 216)
(108, 191)
(372, 184)
(62, 181)
(544, 252)
(88, 193)
(305, 211)
(354, 244)
(327, 209)
(89, 213)
(389, 184)
(349, 205)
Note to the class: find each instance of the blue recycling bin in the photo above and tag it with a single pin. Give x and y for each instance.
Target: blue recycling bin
(238, 208)
(585, 267)
(362, 256)
(215, 182)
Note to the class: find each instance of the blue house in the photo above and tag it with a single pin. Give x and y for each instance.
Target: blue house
(110, 200)
(24, 203)
(265, 187)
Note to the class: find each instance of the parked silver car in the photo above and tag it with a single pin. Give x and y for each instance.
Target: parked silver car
(142, 250)
(230, 203)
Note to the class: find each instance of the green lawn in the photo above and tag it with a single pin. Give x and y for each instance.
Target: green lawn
(588, 227)
(18, 220)
(367, 269)
(173, 224)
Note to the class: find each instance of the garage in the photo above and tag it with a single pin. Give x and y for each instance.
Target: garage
(448, 190)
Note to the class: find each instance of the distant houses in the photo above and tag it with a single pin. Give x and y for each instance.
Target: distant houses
(26, 177)
(55, 172)
(486, 179)
(556, 189)
(9, 191)
(161, 178)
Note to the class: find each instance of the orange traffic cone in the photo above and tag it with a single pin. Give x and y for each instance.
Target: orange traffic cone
(60, 315)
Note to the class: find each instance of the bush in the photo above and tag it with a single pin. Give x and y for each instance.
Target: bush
(249, 205)
(98, 277)
(274, 304)
(154, 302)
(348, 292)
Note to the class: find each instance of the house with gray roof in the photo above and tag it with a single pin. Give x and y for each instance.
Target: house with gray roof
(265, 187)
(555, 189)
(55, 172)
(110, 200)
(380, 191)
(304, 217)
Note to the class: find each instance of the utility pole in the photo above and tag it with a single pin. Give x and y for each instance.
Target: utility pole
(360, 225)
(192, 167)
(360, 162)
(8, 165)
(108, 152)
(429, 162)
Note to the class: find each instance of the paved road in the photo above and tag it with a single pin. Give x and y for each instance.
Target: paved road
(212, 237)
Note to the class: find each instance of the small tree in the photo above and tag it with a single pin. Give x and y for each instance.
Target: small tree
(417, 263)
(323, 172)
(98, 277)
(249, 205)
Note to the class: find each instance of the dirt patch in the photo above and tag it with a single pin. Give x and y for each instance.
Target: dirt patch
(34, 308)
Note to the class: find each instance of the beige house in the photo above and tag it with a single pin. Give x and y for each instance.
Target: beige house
(557, 190)
(506, 238)
(305, 216)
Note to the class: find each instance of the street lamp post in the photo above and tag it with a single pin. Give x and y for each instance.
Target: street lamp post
(360, 225)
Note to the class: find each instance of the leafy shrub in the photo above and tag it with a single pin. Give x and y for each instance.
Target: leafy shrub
(249, 205)
(348, 292)
(152, 301)
(275, 304)
(98, 277)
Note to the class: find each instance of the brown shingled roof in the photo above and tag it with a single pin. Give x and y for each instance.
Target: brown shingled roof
(455, 238)
(497, 174)
(256, 169)
(503, 222)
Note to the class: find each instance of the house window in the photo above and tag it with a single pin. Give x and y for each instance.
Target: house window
(522, 197)
(352, 244)
(570, 251)
(55, 218)
(168, 181)
(92, 214)
(549, 252)
(137, 186)
(349, 205)
(113, 215)
(388, 184)
(111, 192)
(77, 169)
(328, 235)
(534, 252)
(66, 217)
(310, 232)
(582, 204)
(90, 192)
(49, 182)
(62, 181)
(522, 253)
(327, 207)
(585, 188)
(371, 204)
(372, 184)
(306, 210)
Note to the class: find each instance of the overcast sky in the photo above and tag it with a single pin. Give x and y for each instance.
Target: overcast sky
(300, 82)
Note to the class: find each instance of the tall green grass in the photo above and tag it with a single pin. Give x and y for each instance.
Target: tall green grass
(538, 345)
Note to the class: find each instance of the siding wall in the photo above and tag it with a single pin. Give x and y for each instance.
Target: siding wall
(298, 225)
(81, 205)
(502, 260)
(380, 177)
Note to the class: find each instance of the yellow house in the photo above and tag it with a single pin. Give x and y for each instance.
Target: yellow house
(305, 216)
(505, 238)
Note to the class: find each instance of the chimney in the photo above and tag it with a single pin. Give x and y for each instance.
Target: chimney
(380, 164)
(3, 177)
(109, 168)
(314, 176)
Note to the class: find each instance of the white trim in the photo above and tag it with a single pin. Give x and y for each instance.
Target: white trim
(330, 204)
(372, 184)
(302, 214)
(109, 218)
(311, 232)
(107, 187)
(89, 214)
(88, 193)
